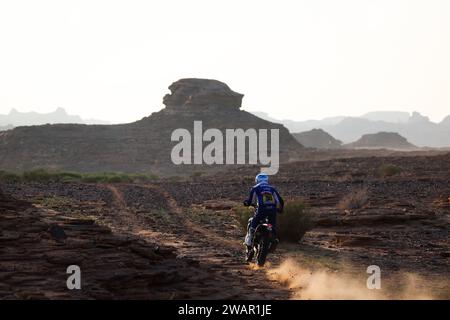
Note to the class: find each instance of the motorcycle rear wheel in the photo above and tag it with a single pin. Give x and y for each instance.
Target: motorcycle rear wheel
(263, 250)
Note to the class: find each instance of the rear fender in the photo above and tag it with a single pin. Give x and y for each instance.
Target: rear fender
(262, 231)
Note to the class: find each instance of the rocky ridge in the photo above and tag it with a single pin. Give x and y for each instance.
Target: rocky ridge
(390, 140)
(141, 146)
(317, 138)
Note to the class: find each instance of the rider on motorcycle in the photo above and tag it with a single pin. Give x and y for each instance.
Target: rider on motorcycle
(267, 201)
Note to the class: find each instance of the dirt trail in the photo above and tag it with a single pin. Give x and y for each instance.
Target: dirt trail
(221, 256)
(192, 227)
(122, 218)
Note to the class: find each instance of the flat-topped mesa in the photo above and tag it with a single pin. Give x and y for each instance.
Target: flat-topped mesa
(201, 94)
(145, 145)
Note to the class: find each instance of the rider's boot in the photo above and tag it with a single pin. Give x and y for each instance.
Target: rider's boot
(249, 237)
(249, 254)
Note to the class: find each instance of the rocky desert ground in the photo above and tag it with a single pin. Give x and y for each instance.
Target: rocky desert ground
(179, 238)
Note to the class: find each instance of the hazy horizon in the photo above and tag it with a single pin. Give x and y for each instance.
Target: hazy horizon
(300, 60)
(256, 112)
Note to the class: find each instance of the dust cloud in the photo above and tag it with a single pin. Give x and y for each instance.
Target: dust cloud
(329, 285)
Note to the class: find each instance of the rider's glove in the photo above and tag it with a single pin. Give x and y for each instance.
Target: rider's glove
(246, 203)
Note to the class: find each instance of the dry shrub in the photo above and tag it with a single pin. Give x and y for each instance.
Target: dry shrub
(243, 214)
(47, 175)
(354, 200)
(292, 224)
(388, 170)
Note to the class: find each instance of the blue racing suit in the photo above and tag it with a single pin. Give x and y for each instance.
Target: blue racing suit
(267, 201)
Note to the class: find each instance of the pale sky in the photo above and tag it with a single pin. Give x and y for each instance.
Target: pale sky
(114, 60)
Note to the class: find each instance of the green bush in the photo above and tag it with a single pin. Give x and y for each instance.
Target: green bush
(295, 220)
(388, 170)
(38, 175)
(69, 176)
(9, 176)
(142, 177)
(243, 214)
(175, 178)
(62, 176)
(93, 177)
(292, 224)
(197, 174)
(49, 175)
(116, 177)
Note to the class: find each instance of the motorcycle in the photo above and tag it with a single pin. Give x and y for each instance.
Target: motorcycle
(264, 242)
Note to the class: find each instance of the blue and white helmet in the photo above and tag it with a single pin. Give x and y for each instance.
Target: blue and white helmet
(262, 177)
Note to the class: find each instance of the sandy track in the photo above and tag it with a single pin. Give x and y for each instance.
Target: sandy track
(123, 252)
(221, 256)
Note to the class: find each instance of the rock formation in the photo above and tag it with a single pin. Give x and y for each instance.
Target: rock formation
(317, 138)
(388, 140)
(417, 129)
(141, 146)
(201, 94)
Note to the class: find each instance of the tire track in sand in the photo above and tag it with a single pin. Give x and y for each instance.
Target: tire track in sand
(223, 257)
(188, 224)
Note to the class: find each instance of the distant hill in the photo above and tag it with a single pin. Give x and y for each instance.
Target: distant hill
(445, 121)
(387, 116)
(417, 129)
(16, 118)
(388, 140)
(300, 126)
(265, 116)
(317, 138)
(8, 127)
(141, 146)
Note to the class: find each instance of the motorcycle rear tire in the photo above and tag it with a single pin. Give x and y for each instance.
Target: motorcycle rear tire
(263, 250)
